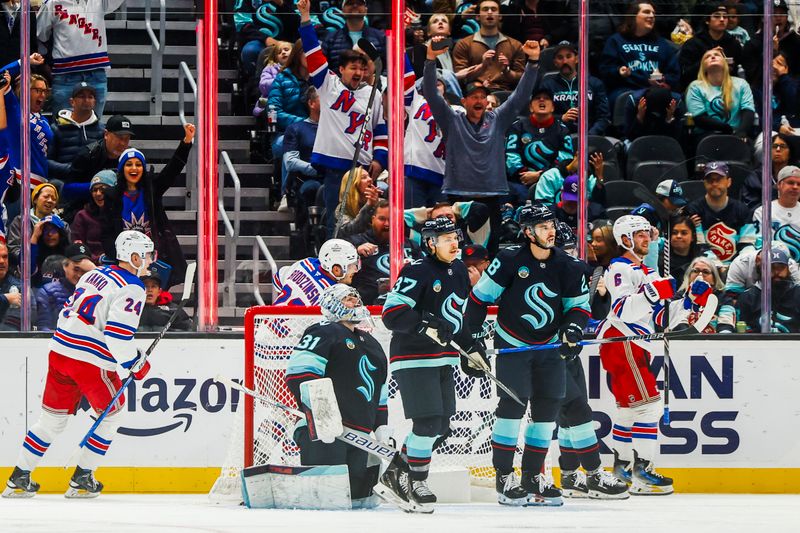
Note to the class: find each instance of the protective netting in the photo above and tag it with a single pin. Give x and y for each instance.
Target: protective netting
(271, 334)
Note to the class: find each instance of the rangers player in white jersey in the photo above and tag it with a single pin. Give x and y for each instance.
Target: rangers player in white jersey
(303, 282)
(93, 337)
(638, 299)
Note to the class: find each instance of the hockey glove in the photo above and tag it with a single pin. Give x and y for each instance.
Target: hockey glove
(699, 292)
(571, 335)
(476, 361)
(660, 289)
(439, 330)
(139, 366)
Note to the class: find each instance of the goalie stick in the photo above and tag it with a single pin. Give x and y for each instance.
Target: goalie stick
(702, 321)
(187, 291)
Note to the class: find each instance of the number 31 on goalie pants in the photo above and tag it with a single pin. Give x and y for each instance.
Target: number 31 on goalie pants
(368, 445)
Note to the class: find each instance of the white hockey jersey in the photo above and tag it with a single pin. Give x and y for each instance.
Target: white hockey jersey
(745, 273)
(631, 312)
(301, 283)
(100, 319)
(785, 226)
(342, 114)
(78, 30)
(424, 151)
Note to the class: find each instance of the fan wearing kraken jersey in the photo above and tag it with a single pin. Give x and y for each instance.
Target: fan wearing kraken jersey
(425, 311)
(542, 296)
(340, 348)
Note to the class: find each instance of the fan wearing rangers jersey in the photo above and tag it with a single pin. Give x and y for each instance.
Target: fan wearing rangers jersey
(303, 282)
(343, 111)
(785, 212)
(340, 348)
(94, 336)
(542, 296)
(425, 311)
(638, 299)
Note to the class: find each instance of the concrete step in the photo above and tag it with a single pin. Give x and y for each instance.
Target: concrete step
(162, 150)
(253, 198)
(245, 216)
(139, 102)
(189, 243)
(167, 73)
(131, 25)
(141, 55)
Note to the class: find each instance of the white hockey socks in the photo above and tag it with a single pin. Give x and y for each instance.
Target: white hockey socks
(637, 428)
(39, 438)
(98, 443)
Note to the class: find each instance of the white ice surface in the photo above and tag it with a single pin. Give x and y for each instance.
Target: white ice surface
(192, 513)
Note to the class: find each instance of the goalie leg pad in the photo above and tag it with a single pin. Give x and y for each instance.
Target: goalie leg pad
(296, 487)
(322, 410)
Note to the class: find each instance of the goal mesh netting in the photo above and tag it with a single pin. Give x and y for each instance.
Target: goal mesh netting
(262, 433)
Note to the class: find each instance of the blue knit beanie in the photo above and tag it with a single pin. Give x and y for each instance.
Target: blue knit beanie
(131, 153)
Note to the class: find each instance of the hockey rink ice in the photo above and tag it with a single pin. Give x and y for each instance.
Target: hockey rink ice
(154, 513)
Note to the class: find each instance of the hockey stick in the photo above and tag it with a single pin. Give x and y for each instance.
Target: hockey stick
(373, 54)
(702, 321)
(360, 441)
(187, 291)
(596, 275)
(487, 371)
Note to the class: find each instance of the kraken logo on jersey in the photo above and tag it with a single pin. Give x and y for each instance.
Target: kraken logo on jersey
(382, 263)
(364, 368)
(453, 311)
(790, 236)
(272, 25)
(534, 298)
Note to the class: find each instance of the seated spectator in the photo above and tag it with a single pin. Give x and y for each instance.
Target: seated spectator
(564, 87)
(476, 259)
(359, 203)
(51, 296)
(705, 269)
(567, 209)
(373, 248)
(651, 112)
(785, 294)
(535, 20)
(721, 221)
(548, 189)
(785, 211)
(683, 247)
(472, 218)
(492, 102)
(713, 36)
(135, 203)
(286, 98)
(260, 22)
(785, 39)
(733, 28)
(158, 304)
(275, 61)
(10, 295)
(745, 270)
(782, 155)
(298, 143)
(670, 193)
(786, 94)
(535, 145)
(91, 159)
(44, 199)
(336, 42)
(74, 128)
(636, 58)
(439, 25)
(88, 223)
(498, 58)
(602, 245)
(50, 236)
(719, 102)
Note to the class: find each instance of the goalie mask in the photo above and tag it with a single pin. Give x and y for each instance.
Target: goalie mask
(131, 242)
(540, 220)
(628, 226)
(338, 252)
(441, 238)
(342, 303)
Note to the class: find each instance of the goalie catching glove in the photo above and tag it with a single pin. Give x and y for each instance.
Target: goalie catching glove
(476, 361)
(440, 331)
(571, 335)
(139, 366)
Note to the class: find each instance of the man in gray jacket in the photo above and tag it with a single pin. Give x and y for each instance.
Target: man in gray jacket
(475, 140)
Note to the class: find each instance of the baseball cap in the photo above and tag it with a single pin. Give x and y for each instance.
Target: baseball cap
(475, 86)
(121, 125)
(345, 2)
(789, 171)
(159, 271)
(77, 252)
(780, 4)
(55, 220)
(82, 86)
(565, 44)
(671, 189)
(474, 252)
(542, 89)
(779, 256)
(648, 212)
(569, 191)
(715, 167)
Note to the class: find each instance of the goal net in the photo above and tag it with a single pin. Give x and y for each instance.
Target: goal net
(263, 433)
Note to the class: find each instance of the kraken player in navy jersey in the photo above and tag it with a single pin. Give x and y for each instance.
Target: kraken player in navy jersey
(340, 349)
(542, 296)
(425, 311)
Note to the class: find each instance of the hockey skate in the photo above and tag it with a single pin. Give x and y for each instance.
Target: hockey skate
(19, 485)
(393, 488)
(648, 482)
(573, 484)
(509, 491)
(541, 492)
(622, 469)
(83, 485)
(602, 485)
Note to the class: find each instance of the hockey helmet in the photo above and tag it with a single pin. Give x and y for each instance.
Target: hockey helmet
(131, 242)
(532, 214)
(432, 229)
(627, 226)
(333, 306)
(338, 252)
(565, 237)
